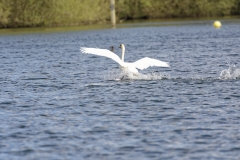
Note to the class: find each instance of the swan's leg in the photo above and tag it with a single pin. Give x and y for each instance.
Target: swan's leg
(122, 77)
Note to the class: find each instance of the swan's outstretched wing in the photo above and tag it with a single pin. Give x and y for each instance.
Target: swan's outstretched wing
(102, 52)
(148, 62)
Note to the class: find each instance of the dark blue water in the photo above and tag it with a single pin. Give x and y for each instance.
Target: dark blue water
(57, 103)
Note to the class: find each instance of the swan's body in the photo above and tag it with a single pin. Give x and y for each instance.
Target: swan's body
(127, 67)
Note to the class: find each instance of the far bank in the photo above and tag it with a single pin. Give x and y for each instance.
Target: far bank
(49, 13)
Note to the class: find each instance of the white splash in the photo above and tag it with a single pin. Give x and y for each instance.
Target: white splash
(116, 74)
(231, 73)
(152, 76)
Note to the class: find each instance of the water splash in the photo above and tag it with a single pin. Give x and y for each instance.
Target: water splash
(113, 74)
(152, 76)
(231, 73)
(116, 74)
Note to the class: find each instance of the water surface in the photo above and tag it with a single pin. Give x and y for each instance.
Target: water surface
(57, 103)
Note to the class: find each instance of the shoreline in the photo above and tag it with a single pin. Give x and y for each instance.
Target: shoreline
(124, 24)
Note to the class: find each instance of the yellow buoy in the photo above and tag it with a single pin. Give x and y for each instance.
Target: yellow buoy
(217, 24)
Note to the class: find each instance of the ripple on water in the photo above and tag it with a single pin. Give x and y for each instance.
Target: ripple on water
(57, 103)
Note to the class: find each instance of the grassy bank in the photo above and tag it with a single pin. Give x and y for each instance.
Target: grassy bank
(34, 13)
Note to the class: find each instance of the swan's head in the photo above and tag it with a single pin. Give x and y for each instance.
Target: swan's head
(122, 46)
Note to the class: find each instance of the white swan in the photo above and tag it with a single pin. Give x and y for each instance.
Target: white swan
(127, 67)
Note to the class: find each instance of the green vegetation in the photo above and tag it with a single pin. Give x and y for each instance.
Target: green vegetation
(132, 9)
(33, 13)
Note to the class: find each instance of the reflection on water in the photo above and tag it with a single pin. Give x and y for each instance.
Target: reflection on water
(57, 103)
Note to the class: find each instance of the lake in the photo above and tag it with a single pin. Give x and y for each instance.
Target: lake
(58, 103)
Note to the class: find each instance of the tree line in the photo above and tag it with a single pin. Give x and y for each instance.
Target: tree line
(36, 13)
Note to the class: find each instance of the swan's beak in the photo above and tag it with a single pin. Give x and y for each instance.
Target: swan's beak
(120, 46)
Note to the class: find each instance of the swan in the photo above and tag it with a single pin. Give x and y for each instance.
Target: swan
(126, 66)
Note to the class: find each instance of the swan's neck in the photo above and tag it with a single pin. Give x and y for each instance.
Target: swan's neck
(123, 52)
